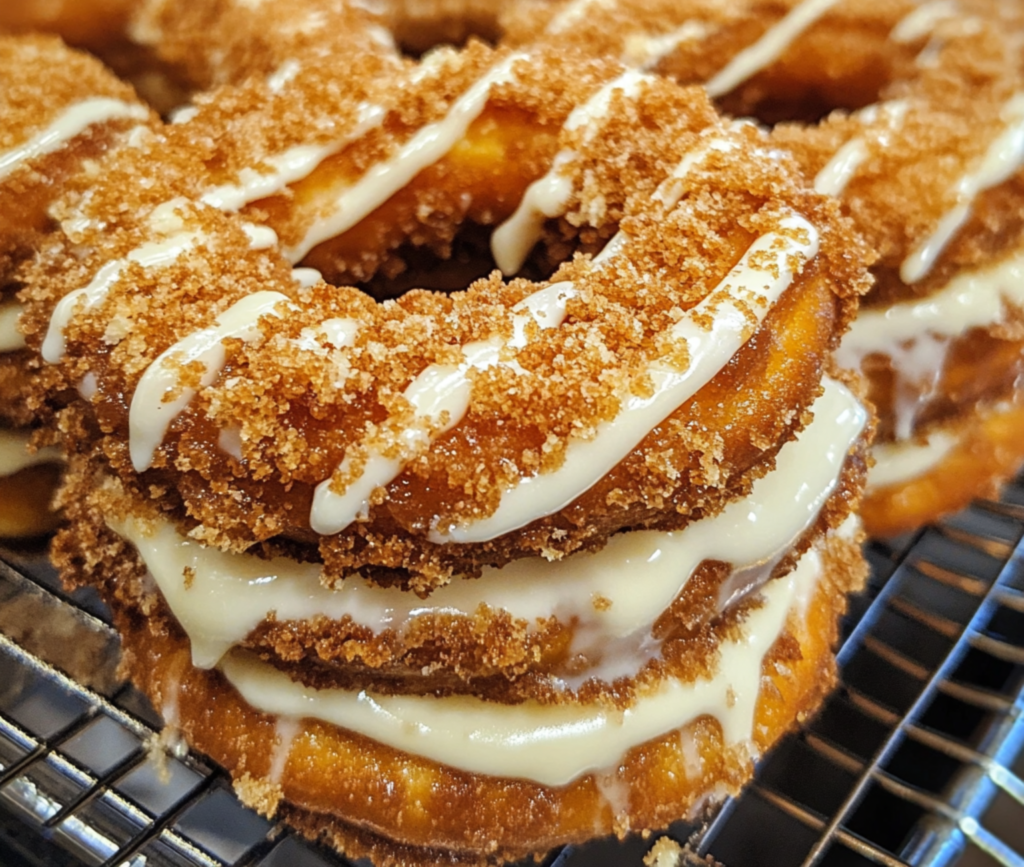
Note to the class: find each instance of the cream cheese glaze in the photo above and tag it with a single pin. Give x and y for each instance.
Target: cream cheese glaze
(548, 744)
(769, 48)
(386, 178)
(746, 293)
(1003, 158)
(902, 461)
(915, 335)
(159, 399)
(72, 122)
(228, 595)
(16, 456)
(549, 195)
(173, 242)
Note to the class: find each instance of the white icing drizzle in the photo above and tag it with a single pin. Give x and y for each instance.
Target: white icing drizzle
(425, 148)
(16, 456)
(283, 76)
(228, 594)
(902, 461)
(1001, 161)
(11, 338)
(72, 122)
(159, 397)
(748, 291)
(306, 277)
(573, 13)
(972, 299)
(260, 237)
(289, 167)
(439, 397)
(549, 195)
(550, 744)
(915, 335)
(155, 254)
(839, 171)
(184, 114)
(646, 52)
(89, 386)
(920, 22)
(769, 48)
(834, 177)
(286, 730)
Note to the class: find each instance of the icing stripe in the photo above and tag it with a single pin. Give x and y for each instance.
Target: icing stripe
(74, 121)
(549, 744)
(769, 48)
(972, 299)
(159, 397)
(289, 167)
(1001, 161)
(439, 397)
(549, 196)
(902, 461)
(228, 595)
(15, 455)
(713, 331)
(834, 177)
(646, 52)
(920, 22)
(916, 335)
(425, 148)
(156, 254)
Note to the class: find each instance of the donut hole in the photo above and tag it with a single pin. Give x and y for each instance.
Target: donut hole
(416, 35)
(785, 96)
(458, 264)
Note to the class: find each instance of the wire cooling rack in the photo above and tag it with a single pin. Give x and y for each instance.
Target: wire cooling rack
(916, 759)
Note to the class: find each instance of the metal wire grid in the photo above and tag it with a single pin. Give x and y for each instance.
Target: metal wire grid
(915, 760)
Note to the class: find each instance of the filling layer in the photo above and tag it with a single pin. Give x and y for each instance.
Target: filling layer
(15, 455)
(903, 461)
(549, 744)
(219, 598)
(916, 335)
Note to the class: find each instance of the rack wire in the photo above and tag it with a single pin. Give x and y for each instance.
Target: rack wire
(916, 759)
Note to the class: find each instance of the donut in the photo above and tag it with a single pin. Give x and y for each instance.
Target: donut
(417, 466)
(911, 113)
(53, 126)
(381, 441)
(410, 800)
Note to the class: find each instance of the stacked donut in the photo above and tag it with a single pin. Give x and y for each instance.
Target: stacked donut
(373, 549)
(86, 112)
(912, 112)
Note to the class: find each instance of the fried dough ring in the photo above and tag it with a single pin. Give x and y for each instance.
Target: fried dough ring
(436, 812)
(53, 126)
(439, 488)
(986, 449)
(432, 649)
(907, 112)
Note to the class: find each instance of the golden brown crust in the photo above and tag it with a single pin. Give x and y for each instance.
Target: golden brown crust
(490, 654)
(416, 803)
(26, 504)
(293, 438)
(989, 448)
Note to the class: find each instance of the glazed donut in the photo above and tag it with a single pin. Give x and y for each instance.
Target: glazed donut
(410, 799)
(912, 113)
(668, 382)
(409, 498)
(53, 126)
